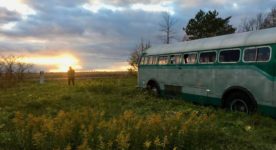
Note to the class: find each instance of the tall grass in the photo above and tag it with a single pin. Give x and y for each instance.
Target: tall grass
(113, 114)
(88, 128)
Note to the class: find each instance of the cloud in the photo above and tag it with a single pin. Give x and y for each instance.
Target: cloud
(165, 7)
(17, 6)
(7, 16)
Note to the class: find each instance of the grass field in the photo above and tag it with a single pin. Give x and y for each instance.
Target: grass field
(111, 113)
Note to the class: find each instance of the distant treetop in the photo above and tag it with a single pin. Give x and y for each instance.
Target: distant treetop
(208, 25)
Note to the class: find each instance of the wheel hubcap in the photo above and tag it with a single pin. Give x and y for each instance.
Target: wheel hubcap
(239, 105)
(154, 90)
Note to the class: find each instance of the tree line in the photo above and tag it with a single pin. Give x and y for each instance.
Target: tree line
(260, 21)
(203, 25)
(12, 70)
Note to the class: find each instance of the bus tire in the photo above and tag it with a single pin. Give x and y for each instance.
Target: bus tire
(240, 102)
(153, 88)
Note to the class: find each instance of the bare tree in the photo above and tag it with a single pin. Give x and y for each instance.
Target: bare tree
(247, 25)
(260, 21)
(270, 20)
(252, 24)
(167, 28)
(135, 55)
(21, 69)
(13, 68)
(9, 67)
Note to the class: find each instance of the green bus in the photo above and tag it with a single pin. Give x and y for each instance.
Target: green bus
(235, 71)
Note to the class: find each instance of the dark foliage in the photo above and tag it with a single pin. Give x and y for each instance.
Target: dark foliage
(208, 25)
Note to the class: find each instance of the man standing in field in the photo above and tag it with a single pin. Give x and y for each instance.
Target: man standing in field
(71, 76)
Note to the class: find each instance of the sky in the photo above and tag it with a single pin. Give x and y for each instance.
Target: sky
(99, 35)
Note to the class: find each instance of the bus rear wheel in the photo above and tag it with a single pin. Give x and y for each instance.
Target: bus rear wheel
(240, 102)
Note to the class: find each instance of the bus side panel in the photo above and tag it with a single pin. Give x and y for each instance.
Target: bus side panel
(171, 75)
(190, 84)
(198, 84)
(207, 78)
(146, 73)
(166, 76)
(248, 77)
(270, 109)
(274, 72)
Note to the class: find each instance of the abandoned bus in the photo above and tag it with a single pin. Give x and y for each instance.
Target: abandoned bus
(236, 71)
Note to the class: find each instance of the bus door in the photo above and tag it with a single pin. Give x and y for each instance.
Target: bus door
(190, 78)
(162, 70)
(172, 84)
(206, 75)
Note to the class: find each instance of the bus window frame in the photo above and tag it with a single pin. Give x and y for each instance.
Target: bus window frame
(146, 60)
(230, 50)
(177, 54)
(163, 56)
(256, 47)
(141, 62)
(198, 59)
(154, 58)
(150, 57)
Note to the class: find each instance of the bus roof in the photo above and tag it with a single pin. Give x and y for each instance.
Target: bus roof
(260, 37)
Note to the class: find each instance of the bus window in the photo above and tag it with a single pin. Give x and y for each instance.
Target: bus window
(154, 60)
(250, 54)
(207, 57)
(259, 54)
(229, 56)
(146, 60)
(175, 59)
(189, 58)
(163, 60)
(150, 60)
(263, 54)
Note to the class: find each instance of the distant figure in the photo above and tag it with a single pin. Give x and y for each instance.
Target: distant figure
(41, 81)
(71, 76)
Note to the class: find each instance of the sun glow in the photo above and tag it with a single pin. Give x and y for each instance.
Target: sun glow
(60, 63)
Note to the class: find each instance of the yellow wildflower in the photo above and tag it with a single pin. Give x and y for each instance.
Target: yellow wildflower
(165, 141)
(147, 144)
(48, 125)
(157, 142)
(19, 119)
(139, 124)
(109, 144)
(90, 128)
(178, 115)
(37, 138)
(68, 147)
(154, 119)
(127, 115)
(123, 140)
(101, 143)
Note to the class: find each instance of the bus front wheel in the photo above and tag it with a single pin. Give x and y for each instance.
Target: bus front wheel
(239, 102)
(154, 89)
